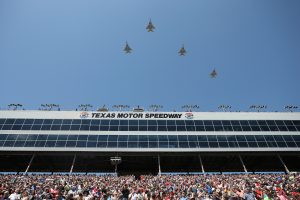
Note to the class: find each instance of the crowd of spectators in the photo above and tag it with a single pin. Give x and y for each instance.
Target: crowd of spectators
(181, 187)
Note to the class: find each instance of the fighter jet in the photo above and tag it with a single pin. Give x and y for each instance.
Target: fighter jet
(213, 74)
(127, 48)
(182, 51)
(150, 27)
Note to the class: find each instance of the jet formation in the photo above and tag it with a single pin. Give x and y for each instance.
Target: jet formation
(182, 51)
(127, 48)
(150, 28)
(213, 74)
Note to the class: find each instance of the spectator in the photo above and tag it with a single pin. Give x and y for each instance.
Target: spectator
(249, 195)
(164, 187)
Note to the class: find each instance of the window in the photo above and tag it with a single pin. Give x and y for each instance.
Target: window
(189, 122)
(86, 121)
(207, 123)
(124, 122)
(161, 122)
(209, 128)
(123, 128)
(152, 123)
(123, 138)
(95, 122)
(46, 121)
(57, 121)
(180, 123)
(21, 121)
(143, 122)
(114, 122)
(199, 122)
(10, 121)
(133, 122)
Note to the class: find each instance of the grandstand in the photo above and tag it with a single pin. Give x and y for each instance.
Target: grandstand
(148, 142)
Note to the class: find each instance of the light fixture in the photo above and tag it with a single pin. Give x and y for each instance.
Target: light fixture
(84, 107)
(121, 107)
(190, 107)
(155, 107)
(225, 108)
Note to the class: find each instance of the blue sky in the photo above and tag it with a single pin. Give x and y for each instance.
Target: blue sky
(69, 52)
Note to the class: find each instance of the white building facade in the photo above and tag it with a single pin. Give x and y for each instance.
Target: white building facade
(150, 132)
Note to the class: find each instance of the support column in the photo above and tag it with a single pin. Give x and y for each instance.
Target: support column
(74, 159)
(116, 170)
(28, 166)
(245, 169)
(159, 169)
(202, 168)
(285, 167)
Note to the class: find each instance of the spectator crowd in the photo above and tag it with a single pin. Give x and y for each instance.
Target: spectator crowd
(163, 187)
